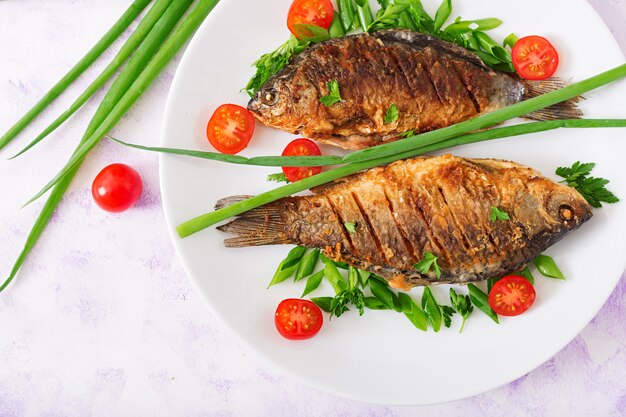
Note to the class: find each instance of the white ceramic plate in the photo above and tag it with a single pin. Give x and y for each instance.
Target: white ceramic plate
(380, 357)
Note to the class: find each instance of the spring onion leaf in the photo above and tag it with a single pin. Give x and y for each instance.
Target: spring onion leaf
(429, 261)
(333, 96)
(443, 13)
(165, 54)
(334, 277)
(462, 304)
(413, 312)
(311, 33)
(528, 275)
(384, 294)
(307, 264)
(546, 265)
(323, 303)
(432, 309)
(498, 214)
(129, 47)
(591, 188)
(480, 300)
(364, 277)
(313, 282)
(374, 303)
(112, 34)
(392, 114)
(278, 177)
(510, 40)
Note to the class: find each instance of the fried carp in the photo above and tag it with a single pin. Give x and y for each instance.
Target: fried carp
(441, 205)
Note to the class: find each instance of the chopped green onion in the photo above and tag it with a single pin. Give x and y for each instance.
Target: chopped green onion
(546, 265)
(480, 300)
(413, 312)
(307, 265)
(313, 282)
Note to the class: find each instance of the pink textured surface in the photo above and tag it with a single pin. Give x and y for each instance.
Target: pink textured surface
(102, 320)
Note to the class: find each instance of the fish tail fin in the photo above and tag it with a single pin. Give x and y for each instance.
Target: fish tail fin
(565, 110)
(263, 225)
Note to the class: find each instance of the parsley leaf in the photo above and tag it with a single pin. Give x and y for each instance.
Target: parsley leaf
(350, 227)
(447, 312)
(333, 96)
(278, 177)
(498, 214)
(425, 264)
(392, 114)
(408, 133)
(591, 188)
(462, 304)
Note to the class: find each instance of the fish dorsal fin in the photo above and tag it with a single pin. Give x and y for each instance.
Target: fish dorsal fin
(421, 40)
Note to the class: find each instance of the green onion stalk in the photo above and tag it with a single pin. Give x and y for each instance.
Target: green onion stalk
(116, 30)
(101, 125)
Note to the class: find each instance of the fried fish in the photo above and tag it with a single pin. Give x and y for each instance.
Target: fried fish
(439, 205)
(431, 83)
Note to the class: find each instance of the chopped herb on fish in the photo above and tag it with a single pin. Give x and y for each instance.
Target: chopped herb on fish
(278, 177)
(350, 227)
(408, 134)
(333, 96)
(593, 189)
(429, 261)
(498, 214)
(392, 114)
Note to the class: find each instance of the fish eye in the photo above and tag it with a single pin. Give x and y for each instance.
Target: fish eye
(566, 212)
(269, 97)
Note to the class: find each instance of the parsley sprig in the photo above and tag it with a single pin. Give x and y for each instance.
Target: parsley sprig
(592, 189)
(278, 177)
(429, 261)
(498, 214)
(333, 96)
(462, 304)
(392, 114)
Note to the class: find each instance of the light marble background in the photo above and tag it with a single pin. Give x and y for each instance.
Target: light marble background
(103, 321)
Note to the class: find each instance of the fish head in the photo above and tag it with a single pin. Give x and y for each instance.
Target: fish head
(271, 103)
(567, 207)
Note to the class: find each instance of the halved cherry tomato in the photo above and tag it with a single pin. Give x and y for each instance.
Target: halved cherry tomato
(298, 319)
(301, 147)
(512, 295)
(534, 58)
(309, 12)
(230, 128)
(116, 188)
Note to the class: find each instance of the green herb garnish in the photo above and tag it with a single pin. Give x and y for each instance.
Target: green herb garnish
(462, 304)
(392, 114)
(350, 227)
(413, 312)
(546, 265)
(408, 134)
(432, 310)
(278, 177)
(429, 261)
(498, 214)
(591, 188)
(480, 300)
(333, 96)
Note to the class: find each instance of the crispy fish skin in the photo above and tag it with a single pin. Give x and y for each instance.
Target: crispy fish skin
(440, 205)
(433, 84)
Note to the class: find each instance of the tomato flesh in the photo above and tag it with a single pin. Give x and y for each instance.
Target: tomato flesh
(535, 58)
(298, 319)
(116, 188)
(230, 128)
(511, 296)
(301, 147)
(309, 12)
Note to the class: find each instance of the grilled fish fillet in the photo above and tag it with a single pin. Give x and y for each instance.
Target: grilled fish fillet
(431, 82)
(440, 205)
